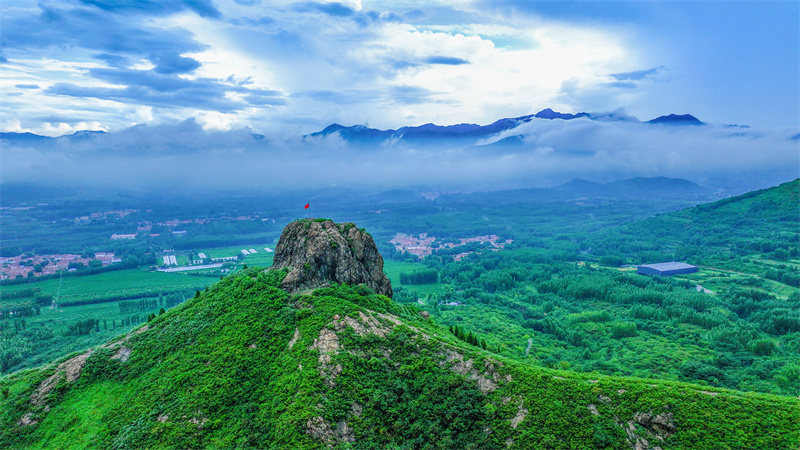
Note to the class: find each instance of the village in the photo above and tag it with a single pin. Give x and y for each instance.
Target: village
(32, 265)
(423, 245)
(38, 265)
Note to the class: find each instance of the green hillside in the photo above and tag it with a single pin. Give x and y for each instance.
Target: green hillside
(737, 233)
(564, 302)
(246, 365)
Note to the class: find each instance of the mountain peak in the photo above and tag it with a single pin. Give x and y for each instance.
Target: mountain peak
(332, 128)
(548, 113)
(676, 119)
(320, 252)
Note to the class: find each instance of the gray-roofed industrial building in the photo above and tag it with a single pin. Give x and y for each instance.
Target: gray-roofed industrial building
(666, 269)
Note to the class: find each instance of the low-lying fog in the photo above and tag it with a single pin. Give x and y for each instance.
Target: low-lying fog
(183, 156)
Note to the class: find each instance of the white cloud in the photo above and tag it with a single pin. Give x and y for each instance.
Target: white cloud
(52, 129)
(334, 64)
(141, 114)
(313, 53)
(554, 151)
(213, 120)
(13, 126)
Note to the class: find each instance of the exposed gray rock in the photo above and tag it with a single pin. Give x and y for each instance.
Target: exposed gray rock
(654, 427)
(319, 253)
(661, 425)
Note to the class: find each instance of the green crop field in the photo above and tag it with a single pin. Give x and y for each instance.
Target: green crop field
(393, 269)
(133, 282)
(260, 259)
(91, 309)
(58, 321)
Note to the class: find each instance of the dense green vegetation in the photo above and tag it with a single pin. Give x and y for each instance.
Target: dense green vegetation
(547, 304)
(33, 340)
(756, 233)
(246, 365)
(428, 276)
(558, 302)
(111, 286)
(560, 314)
(537, 300)
(33, 329)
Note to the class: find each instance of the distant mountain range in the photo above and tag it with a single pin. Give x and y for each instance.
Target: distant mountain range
(578, 189)
(465, 134)
(638, 186)
(674, 119)
(18, 192)
(30, 138)
(431, 133)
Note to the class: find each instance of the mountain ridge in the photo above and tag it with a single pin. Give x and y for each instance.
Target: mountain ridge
(675, 119)
(641, 185)
(362, 134)
(28, 137)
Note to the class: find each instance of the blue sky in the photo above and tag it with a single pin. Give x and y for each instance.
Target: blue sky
(294, 67)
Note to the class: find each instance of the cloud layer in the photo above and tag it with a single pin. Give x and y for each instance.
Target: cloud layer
(184, 156)
(278, 64)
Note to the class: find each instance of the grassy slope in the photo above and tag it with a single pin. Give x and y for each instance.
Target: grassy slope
(218, 371)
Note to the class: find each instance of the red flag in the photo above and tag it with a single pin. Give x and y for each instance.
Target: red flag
(306, 207)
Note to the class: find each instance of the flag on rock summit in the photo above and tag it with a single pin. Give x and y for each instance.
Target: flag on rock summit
(307, 205)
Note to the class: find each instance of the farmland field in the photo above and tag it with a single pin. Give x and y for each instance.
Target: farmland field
(392, 269)
(261, 259)
(90, 310)
(58, 320)
(122, 283)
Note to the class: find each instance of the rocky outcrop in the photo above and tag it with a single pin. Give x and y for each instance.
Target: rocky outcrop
(321, 252)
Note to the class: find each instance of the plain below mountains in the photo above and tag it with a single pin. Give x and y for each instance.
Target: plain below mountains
(247, 364)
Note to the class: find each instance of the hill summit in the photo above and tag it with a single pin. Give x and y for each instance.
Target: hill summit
(320, 252)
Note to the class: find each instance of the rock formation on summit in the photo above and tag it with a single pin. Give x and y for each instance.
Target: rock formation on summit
(321, 252)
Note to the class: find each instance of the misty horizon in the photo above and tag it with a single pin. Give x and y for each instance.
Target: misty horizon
(543, 153)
